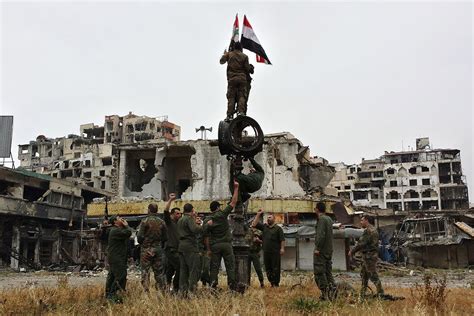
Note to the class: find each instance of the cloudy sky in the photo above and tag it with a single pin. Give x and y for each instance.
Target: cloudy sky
(349, 79)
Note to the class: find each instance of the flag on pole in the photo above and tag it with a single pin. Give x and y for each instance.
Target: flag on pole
(235, 33)
(250, 41)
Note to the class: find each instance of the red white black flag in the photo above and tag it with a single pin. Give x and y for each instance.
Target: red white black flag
(235, 33)
(250, 41)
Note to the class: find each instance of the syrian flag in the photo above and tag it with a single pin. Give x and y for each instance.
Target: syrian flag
(235, 33)
(250, 41)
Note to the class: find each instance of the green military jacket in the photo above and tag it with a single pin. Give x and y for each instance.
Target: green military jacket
(220, 229)
(172, 229)
(152, 232)
(368, 243)
(237, 65)
(188, 232)
(251, 182)
(117, 244)
(324, 236)
(272, 237)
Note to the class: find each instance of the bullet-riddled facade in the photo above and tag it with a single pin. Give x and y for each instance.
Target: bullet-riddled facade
(92, 157)
(421, 179)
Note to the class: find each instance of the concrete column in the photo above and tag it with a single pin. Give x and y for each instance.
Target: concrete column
(25, 249)
(14, 263)
(451, 172)
(1, 238)
(121, 172)
(55, 251)
(37, 251)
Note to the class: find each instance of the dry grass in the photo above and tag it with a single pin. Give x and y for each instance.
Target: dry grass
(296, 296)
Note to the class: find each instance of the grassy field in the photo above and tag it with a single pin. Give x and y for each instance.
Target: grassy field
(296, 296)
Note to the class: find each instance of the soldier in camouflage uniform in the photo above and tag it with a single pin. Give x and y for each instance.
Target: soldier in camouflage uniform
(255, 241)
(249, 86)
(237, 69)
(220, 240)
(322, 264)
(368, 244)
(118, 236)
(152, 236)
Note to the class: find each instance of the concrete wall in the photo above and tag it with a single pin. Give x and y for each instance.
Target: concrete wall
(209, 170)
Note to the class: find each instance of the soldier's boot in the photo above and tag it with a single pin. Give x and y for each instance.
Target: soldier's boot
(378, 285)
(145, 280)
(363, 289)
(324, 294)
(230, 109)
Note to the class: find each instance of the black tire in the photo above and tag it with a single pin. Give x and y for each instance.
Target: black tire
(235, 128)
(223, 138)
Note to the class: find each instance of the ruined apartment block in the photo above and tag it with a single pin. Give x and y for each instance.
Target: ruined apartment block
(41, 220)
(421, 179)
(92, 157)
(196, 171)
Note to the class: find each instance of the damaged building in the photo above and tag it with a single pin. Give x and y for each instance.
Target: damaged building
(421, 179)
(91, 157)
(435, 242)
(196, 171)
(41, 220)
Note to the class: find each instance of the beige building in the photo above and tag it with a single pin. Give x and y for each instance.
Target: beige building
(420, 179)
(92, 156)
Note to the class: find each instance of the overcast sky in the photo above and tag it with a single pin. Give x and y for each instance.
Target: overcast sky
(349, 79)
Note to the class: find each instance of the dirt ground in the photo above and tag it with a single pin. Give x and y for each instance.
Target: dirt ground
(455, 278)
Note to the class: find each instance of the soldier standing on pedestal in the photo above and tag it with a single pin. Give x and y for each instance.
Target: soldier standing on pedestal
(237, 69)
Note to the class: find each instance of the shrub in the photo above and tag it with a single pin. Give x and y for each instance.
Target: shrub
(432, 293)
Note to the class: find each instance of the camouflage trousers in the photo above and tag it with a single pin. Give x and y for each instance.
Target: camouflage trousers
(236, 93)
(369, 271)
(322, 268)
(152, 259)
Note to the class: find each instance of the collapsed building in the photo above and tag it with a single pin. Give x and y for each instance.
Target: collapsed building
(141, 159)
(196, 172)
(41, 220)
(434, 242)
(421, 179)
(91, 158)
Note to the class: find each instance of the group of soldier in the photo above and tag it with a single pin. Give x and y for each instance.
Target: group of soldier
(368, 244)
(183, 249)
